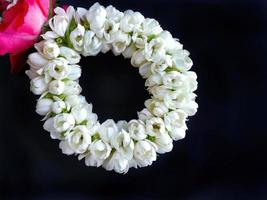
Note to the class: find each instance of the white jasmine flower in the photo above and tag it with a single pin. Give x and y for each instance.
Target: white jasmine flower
(123, 143)
(58, 107)
(77, 37)
(129, 51)
(81, 112)
(92, 44)
(36, 61)
(161, 66)
(137, 130)
(56, 87)
(92, 123)
(164, 143)
(144, 115)
(63, 122)
(38, 85)
(160, 92)
(44, 106)
(182, 100)
(133, 163)
(145, 70)
(96, 16)
(70, 55)
(117, 162)
(151, 27)
(145, 153)
(59, 25)
(120, 42)
(140, 41)
(122, 125)
(174, 79)
(181, 60)
(31, 74)
(138, 58)
(155, 126)
(72, 88)
(131, 21)
(162, 49)
(158, 108)
(57, 68)
(106, 47)
(81, 15)
(112, 23)
(79, 139)
(191, 107)
(65, 148)
(74, 100)
(99, 152)
(175, 124)
(110, 28)
(170, 44)
(183, 81)
(68, 13)
(93, 129)
(75, 72)
(48, 48)
(113, 14)
(192, 80)
(154, 51)
(49, 35)
(176, 99)
(49, 126)
(107, 130)
(154, 79)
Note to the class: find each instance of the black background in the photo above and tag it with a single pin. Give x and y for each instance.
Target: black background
(224, 153)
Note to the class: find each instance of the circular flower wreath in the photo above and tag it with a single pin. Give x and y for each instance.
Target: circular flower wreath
(161, 60)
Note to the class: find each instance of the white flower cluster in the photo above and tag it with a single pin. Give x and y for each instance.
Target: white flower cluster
(161, 60)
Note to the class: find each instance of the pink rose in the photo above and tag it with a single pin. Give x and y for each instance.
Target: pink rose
(21, 26)
(3, 5)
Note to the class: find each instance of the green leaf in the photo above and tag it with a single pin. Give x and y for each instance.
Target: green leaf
(53, 114)
(65, 80)
(170, 69)
(151, 138)
(62, 97)
(63, 135)
(84, 122)
(71, 27)
(48, 96)
(86, 24)
(96, 137)
(151, 37)
(65, 110)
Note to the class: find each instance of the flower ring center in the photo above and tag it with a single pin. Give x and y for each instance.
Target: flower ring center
(114, 87)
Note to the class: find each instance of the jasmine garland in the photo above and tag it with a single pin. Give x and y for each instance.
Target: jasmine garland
(161, 60)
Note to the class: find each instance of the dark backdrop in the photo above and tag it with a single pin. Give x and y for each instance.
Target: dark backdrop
(224, 153)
